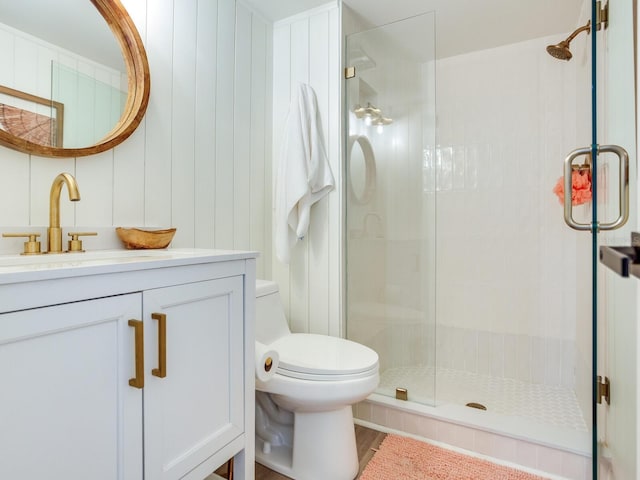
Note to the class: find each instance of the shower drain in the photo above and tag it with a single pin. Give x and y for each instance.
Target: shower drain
(479, 406)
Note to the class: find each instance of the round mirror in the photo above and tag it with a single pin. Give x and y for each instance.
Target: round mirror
(362, 169)
(74, 79)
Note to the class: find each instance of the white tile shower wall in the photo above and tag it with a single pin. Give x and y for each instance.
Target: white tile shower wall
(506, 262)
(521, 357)
(199, 161)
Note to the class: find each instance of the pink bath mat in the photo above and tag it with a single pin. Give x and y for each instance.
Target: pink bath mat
(401, 458)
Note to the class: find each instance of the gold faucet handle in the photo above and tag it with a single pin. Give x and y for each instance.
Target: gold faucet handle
(31, 246)
(75, 245)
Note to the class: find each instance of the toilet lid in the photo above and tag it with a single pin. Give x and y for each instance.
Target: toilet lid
(308, 356)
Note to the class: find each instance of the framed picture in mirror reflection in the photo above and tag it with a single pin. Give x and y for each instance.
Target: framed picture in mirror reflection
(30, 117)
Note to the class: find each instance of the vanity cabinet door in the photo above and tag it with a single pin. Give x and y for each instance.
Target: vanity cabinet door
(193, 414)
(66, 408)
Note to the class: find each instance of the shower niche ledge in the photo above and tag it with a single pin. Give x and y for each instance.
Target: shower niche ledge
(623, 260)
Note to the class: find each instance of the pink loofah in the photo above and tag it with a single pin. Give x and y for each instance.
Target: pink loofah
(580, 188)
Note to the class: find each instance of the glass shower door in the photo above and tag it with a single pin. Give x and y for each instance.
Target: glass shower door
(615, 435)
(613, 216)
(526, 315)
(390, 202)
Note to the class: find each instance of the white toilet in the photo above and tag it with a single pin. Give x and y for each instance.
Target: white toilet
(304, 424)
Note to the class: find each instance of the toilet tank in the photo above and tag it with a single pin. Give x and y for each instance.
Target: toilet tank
(271, 324)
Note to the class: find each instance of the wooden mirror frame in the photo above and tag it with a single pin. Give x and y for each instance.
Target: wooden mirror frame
(139, 84)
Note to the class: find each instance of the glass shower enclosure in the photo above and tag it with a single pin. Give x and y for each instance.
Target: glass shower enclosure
(391, 202)
(460, 270)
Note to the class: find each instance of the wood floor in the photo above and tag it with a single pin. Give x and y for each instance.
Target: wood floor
(366, 440)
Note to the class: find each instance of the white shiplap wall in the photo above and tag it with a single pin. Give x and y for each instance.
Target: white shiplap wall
(307, 49)
(199, 161)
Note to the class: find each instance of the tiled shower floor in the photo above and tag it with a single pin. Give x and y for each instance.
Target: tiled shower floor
(541, 403)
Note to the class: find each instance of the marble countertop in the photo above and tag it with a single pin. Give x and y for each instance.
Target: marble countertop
(28, 268)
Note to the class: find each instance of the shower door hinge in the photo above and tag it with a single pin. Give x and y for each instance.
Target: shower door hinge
(604, 390)
(349, 72)
(402, 393)
(602, 15)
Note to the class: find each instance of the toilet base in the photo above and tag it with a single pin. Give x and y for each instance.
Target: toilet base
(278, 459)
(324, 447)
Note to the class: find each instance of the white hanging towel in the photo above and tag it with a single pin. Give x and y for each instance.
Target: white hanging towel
(304, 173)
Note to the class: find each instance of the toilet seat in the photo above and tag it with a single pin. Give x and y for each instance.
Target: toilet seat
(323, 358)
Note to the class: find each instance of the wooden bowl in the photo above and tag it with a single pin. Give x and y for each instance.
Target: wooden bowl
(135, 238)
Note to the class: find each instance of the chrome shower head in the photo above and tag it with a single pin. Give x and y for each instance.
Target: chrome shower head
(561, 50)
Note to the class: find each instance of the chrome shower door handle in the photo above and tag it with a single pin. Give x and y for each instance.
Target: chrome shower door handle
(623, 159)
(568, 206)
(623, 193)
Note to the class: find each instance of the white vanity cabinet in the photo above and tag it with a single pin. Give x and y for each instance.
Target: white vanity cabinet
(81, 397)
(65, 409)
(199, 405)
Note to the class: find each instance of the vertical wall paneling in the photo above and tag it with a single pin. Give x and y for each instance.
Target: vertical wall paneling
(281, 98)
(95, 182)
(42, 79)
(224, 208)
(318, 238)
(129, 157)
(333, 136)
(305, 51)
(159, 116)
(85, 90)
(183, 113)
(205, 131)
(15, 188)
(129, 180)
(26, 70)
(14, 181)
(138, 12)
(200, 160)
(268, 160)
(43, 171)
(300, 61)
(260, 201)
(242, 132)
(299, 266)
(72, 126)
(7, 57)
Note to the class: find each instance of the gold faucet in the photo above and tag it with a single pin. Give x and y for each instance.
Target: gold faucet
(54, 232)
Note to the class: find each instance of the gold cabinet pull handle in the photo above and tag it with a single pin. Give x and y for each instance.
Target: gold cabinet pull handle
(138, 380)
(161, 371)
